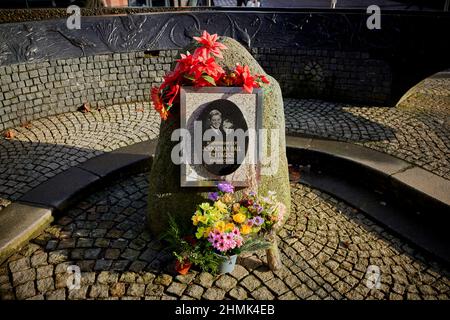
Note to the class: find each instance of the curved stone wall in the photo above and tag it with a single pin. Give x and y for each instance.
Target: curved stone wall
(351, 76)
(36, 90)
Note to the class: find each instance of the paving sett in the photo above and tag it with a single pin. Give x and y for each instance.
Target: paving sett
(326, 247)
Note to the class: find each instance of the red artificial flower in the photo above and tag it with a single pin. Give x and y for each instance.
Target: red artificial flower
(208, 67)
(246, 79)
(201, 70)
(201, 54)
(263, 78)
(185, 63)
(156, 99)
(164, 114)
(158, 103)
(210, 44)
(173, 94)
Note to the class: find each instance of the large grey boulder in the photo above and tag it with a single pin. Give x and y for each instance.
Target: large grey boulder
(166, 196)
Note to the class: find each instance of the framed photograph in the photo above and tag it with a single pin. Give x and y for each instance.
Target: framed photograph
(220, 126)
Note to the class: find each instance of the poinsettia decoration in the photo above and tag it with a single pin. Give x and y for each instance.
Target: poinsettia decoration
(201, 70)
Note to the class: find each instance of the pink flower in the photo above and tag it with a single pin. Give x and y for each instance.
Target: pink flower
(221, 246)
(231, 244)
(238, 241)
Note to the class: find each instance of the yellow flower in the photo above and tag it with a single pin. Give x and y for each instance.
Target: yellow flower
(203, 219)
(222, 207)
(235, 207)
(206, 232)
(205, 206)
(199, 218)
(220, 225)
(227, 198)
(199, 233)
(239, 217)
(229, 227)
(195, 219)
(245, 229)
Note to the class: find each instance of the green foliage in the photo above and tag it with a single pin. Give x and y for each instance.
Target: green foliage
(209, 79)
(205, 259)
(255, 244)
(199, 254)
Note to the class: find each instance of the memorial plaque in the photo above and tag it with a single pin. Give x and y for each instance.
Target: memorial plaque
(221, 127)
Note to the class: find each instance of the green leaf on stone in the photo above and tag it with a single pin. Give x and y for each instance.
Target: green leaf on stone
(209, 79)
(189, 77)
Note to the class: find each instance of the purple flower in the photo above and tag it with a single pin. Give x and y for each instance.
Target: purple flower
(252, 193)
(225, 187)
(258, 208)
(259, 221)
(213, 196)
(251, 222)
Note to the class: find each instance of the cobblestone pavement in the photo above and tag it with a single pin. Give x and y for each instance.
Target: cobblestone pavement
(417, 135)
(433, 91)
(326, 248)
(46, 147)
(418, 130)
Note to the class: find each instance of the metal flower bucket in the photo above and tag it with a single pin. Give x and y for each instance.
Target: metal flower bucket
(227, 264)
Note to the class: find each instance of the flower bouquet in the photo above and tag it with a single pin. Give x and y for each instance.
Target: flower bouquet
(227, 226)
(200, 69)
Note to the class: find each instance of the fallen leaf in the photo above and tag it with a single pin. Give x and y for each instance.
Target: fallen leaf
(140, 109)
(26, 125)
(85, 108)
(9, 134)
(294, 174)
(345, 244)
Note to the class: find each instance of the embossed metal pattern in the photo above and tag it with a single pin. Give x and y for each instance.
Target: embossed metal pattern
(42, 40)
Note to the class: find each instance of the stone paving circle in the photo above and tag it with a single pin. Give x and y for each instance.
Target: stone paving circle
(327, 247)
